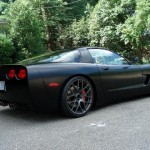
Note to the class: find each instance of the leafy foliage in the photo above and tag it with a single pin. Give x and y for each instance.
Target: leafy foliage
(136, 29)
(36, 26)
(121, 25)
(25, 28)
(3, 6)
(6, 49)
(75, 35)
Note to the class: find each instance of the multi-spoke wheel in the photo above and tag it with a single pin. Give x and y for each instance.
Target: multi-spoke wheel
(77, 98)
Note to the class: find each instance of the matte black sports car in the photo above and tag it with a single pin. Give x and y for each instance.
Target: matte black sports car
(72, 81)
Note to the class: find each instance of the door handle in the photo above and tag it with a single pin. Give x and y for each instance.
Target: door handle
(105, 68)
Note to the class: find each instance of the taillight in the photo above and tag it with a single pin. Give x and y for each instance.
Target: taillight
(11, 74)
(22, 74)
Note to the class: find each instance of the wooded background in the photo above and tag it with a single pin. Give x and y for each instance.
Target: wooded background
(33, 27)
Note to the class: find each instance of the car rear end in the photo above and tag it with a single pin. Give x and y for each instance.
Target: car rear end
(14, 89)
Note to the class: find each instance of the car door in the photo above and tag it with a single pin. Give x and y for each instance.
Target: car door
(119, 78)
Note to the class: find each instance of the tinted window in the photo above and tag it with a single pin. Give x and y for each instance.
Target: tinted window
(107, 57)
(63, 57)
(57, 56)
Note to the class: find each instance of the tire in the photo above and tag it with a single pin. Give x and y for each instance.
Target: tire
(77, 97)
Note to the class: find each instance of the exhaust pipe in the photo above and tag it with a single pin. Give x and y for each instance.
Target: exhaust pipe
(12, 106)
(2, 103)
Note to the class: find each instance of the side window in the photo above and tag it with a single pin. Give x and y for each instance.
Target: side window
(73, 56)
(65, 57)
(106, 57)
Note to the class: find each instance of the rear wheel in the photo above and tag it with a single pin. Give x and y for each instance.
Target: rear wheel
(77, 97)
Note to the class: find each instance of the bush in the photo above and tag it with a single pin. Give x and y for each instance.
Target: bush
(6, 49)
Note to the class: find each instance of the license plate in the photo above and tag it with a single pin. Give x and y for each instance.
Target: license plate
(2, 86)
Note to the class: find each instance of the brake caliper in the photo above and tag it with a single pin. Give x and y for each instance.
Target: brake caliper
(83, 95)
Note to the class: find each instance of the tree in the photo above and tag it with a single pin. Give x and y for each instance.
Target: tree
(3, 6)
(6, 49)
(36, 24)
(103, 23)
(75, 35)
(121, 25)
(98, 26)
(136, 29)
(25, 29)
(53, 17)
(76, 8)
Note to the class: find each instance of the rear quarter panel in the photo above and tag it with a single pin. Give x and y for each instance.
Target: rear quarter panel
(40, 76)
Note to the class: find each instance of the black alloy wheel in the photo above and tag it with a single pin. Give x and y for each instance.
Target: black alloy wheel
(78, 97)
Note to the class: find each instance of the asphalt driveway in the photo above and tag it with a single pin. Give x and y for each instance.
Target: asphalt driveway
(122, 126)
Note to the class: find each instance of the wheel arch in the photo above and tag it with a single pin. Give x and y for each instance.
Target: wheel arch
(81, 75)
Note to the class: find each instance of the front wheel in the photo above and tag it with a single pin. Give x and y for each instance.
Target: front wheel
(77, 97)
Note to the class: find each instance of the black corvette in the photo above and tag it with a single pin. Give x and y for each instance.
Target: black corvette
(72, 81)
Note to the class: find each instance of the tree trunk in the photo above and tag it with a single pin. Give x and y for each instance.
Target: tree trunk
(140, 55)
(49, 39)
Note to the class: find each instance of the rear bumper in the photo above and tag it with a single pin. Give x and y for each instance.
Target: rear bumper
(16, 93)
(26, 96)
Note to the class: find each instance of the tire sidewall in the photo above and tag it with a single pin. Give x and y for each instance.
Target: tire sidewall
(64, 106)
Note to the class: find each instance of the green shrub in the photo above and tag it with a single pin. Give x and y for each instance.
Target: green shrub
(6, 49)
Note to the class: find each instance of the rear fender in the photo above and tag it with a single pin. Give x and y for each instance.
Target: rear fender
(62, 74)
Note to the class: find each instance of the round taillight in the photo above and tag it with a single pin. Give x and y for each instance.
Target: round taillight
(11, 74)
(22, 74)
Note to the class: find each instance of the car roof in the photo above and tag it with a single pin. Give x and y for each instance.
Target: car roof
(91, 47)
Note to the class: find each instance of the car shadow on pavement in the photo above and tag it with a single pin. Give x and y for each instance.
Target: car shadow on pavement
(120, 102)
(38, 117)
(29, 115)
